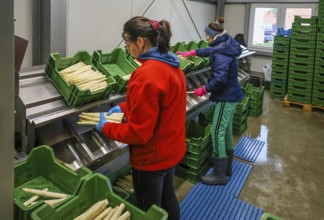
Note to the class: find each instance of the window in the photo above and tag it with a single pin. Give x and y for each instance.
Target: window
(265, 19)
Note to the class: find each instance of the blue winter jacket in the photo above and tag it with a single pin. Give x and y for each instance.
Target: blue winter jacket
(223, 84)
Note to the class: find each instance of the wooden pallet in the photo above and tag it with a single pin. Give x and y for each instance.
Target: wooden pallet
(306, 107)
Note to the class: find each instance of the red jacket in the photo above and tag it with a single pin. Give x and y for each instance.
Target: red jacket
(155, 110)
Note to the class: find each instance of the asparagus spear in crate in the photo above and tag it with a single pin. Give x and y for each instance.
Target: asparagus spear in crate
(84, 77)
(86, 118)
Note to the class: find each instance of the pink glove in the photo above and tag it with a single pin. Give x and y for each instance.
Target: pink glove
(200, 91)
(188, 53)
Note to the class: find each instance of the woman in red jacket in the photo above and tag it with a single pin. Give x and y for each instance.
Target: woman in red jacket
(155, 111)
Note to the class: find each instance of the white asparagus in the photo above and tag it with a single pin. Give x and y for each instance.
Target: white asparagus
(93, 211)
(118, 212)
(97, 114)
(125, 216)
(33, 199)
(86, 123)
(46, 193)
(31, 204)
(73, 67)
(127, 77)
(53, 202)
(97, 119)
(85, 78)
(111, 213)
(103, 214)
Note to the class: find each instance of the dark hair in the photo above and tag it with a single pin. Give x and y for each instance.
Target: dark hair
(158, 33)
(218, 25)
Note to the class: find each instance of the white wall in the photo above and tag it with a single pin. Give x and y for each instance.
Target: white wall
(97, 24)
(101, 28)
(23, 26)
(234, 18)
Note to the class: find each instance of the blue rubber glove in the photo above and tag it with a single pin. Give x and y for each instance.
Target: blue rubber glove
(115, 109)
(101, 122)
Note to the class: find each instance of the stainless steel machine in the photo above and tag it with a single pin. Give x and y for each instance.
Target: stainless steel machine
(43, 117)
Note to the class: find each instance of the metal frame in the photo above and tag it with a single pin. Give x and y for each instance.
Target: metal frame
(7, 108)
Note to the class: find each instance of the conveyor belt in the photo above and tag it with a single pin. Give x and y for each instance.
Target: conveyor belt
(248, 148)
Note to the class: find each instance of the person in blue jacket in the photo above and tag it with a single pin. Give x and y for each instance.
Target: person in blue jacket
(225, 91)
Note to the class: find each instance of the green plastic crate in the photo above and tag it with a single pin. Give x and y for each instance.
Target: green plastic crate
(277, 95)
(185, 64)
(319, 101)
(281, 41)
(206, 118)
(204, 44)
(192, 45)
(191, 174)
(198, 137)
(131, 59)
(242, 106)
(302, 98)
(124, 193)
(73, 95)
(240, 129)
(270, 216)
(254, 93)
(294, 80)
(239, 119)
(114, 64)
(195, 161)
(93, 189)
(41, 170)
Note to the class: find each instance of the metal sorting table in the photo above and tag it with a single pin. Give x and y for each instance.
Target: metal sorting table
(43, 117)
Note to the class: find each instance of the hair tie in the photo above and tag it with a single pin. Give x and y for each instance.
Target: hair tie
(219, 24)
(155, 25)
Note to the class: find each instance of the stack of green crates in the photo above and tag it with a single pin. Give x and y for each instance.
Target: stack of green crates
(302, 57)
(280, 64)
(255, 95)
(116, 65)
(240, 116)
(95, 188)
(320, 11)
(196, 162)
(41, 170)
(318, 83)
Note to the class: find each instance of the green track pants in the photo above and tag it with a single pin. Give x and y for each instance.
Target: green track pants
(221, 132)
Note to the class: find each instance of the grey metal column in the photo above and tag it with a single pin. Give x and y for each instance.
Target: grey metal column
(220, 8)
(6, 108)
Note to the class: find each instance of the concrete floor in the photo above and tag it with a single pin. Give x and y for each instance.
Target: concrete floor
(288, 177)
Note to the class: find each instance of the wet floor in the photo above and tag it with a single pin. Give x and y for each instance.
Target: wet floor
(287, 178)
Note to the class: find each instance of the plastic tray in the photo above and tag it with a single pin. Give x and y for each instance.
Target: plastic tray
(198, 137)
(93, 189)
(195, 161)
(39, 171)
(114, 64)
(191, 174)
(73, 95)
(242, 106)
(254, 93)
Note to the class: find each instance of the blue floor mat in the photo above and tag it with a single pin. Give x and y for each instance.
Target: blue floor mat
(220, 202)
(248, 148)
(204, 203)
(233, 188)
